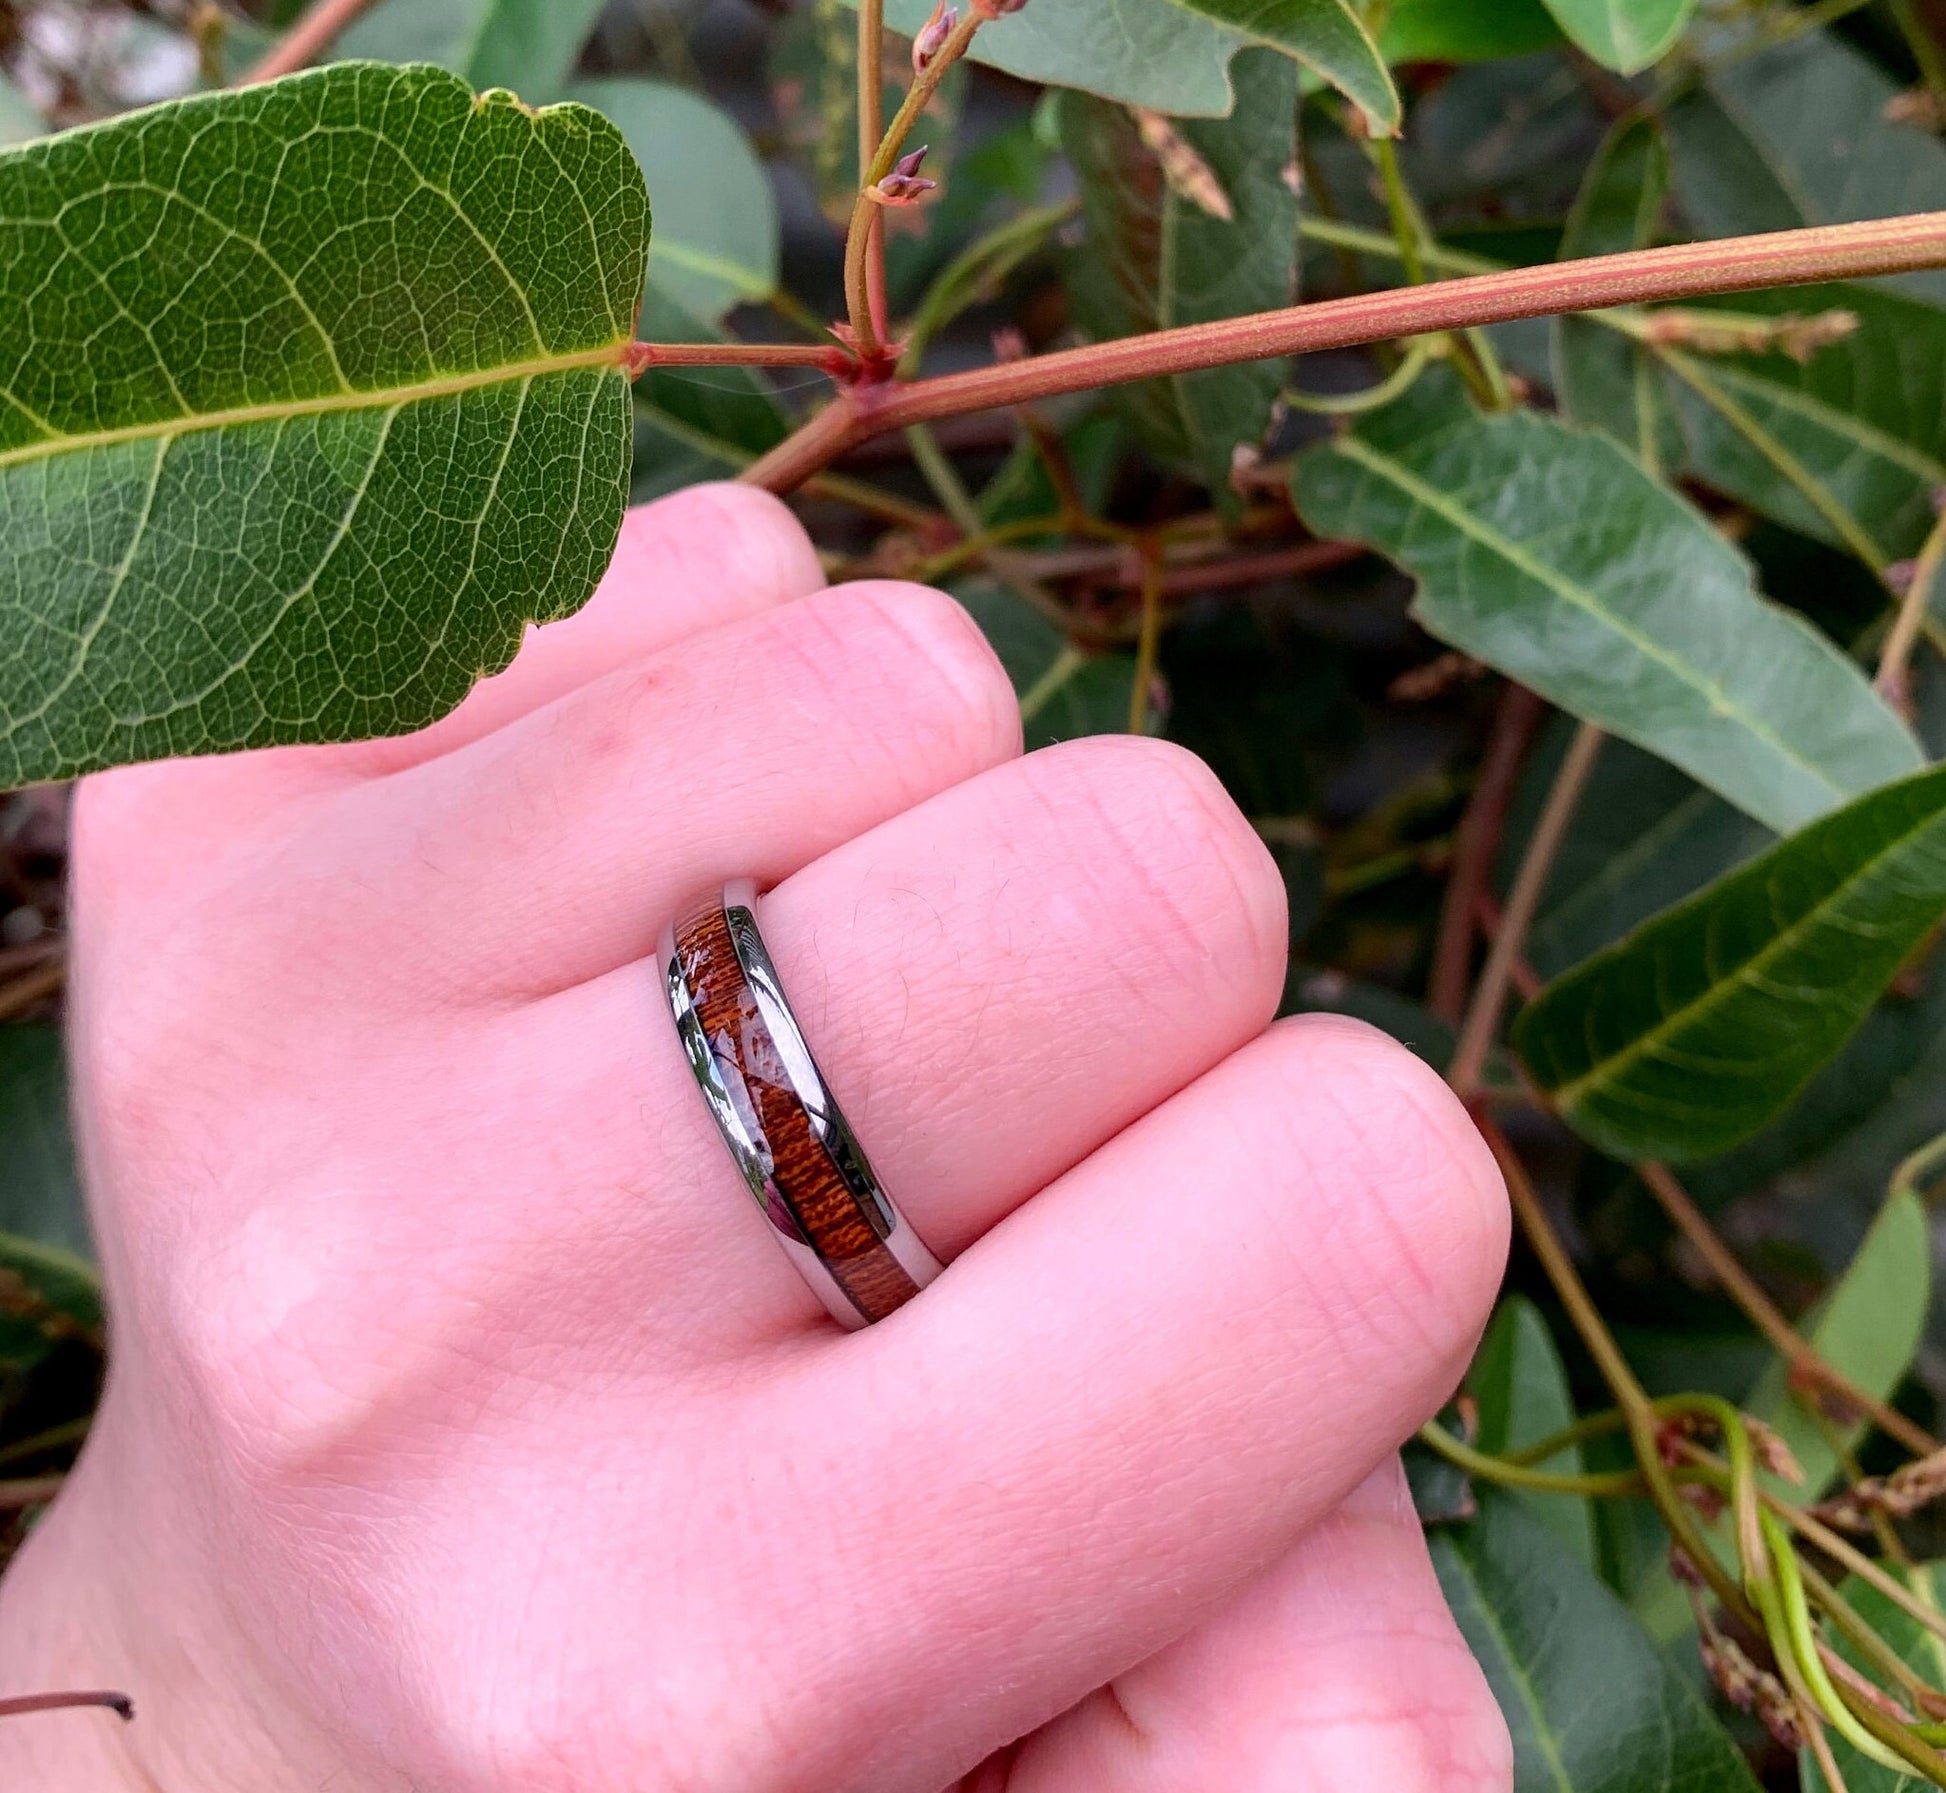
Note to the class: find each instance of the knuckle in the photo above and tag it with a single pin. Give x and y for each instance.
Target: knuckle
(925, 654)
(1414, 1199)
(1214, 895)
(752, 536)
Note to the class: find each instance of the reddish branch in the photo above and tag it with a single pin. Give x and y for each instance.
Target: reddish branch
(306, 41)
(1684, 270)
(1514, 724)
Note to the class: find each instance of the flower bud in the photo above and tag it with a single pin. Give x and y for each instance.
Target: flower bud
(932, 34)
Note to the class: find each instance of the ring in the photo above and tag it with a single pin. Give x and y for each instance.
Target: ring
(777, 1115)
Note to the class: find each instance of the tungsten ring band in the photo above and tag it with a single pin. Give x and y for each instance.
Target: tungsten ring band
(778, 1117)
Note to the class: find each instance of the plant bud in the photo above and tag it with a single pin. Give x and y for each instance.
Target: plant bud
(905, 185)
(932, 34)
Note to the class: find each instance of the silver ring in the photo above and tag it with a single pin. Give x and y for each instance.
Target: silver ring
(776, 1114)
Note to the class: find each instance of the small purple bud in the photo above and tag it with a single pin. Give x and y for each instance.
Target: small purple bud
(932, 34)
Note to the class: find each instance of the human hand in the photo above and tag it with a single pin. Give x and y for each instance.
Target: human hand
(466, 1433)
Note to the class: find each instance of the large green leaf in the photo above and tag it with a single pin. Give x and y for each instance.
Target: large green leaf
(1154, 257)
(1552, 556)
(1865, 418)
(1919, 1646)
(1590, 1704)
(1643, 836)
(314, 400)
(1799, 134)
(1143, 52)
(1869, 1327)
(715, 217)
(1603, 379)
(1522, 1390)
(529, 46)
(1326, 36)
(1464, 30)
(1623, 34)
(1174, 55)
(48, 1289)
(1699, 1027)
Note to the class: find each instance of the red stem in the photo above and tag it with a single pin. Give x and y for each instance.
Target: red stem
(305, 41)
(639, 357)
(118, 1703)
(1514, 723)
(1679, 271)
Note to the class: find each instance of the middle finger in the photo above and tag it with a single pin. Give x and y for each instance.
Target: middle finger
(995, 983)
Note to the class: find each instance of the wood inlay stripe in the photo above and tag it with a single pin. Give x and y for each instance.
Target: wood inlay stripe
(826, 1213)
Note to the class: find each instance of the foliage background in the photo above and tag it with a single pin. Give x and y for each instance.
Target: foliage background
(1219, 557)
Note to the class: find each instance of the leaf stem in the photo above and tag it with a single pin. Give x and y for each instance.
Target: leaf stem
(1405, 220)
(1490, 994)
(1763, 1313)
(1352, 404)
(305, 41)
(1514, 722)
(639, 357)
(1918, 1167)
(943, 479)
(1509, 1474)
(1894, 680)
(871, 127)
(32, 987)
(31, 1491)
(1639, 1411)
(1680, 270)
(864, 211)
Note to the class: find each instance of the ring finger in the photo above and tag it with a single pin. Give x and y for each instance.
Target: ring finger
(995, 983)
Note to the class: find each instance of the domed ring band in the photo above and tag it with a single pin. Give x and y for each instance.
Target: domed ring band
(799, 1158)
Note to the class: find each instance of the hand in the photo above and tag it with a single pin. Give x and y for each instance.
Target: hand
(467, 1433)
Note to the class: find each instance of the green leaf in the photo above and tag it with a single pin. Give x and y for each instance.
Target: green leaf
(48, 1288)
(1623, 34)
(1922, 1648)
(1798, 134)
(696, 423)
(1699, 1027)
(1465, 31)
(1590, 1704)
(1869, 1327)
(1603, 379)
(1863, 417)
(1151, 53)
(316, 400)
(529, 46)
(1064, 692)
(1552, 556)
(1522, 1390)
(1154, 258)
(1326, 36)
(1643, 836)
(715, 217)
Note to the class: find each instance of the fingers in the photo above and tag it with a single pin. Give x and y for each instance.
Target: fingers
(554, 849)
(1140, 1388)
(699, 558)
(1338, 1667)
(995, 982)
